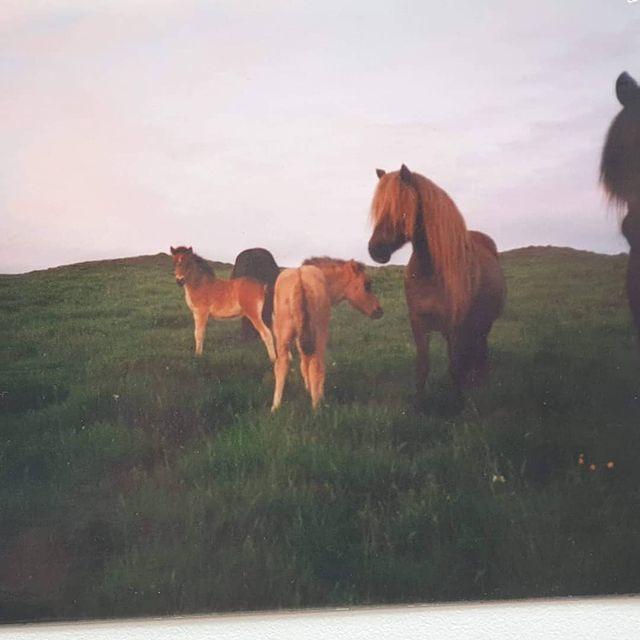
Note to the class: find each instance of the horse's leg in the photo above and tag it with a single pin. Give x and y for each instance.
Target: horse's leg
(248, 333)
(480, 363)
(284, 335)
(255, 317)
(317, 373)
(468, 354)
(304, 365)
(280, 370)
(200, 318)
(457, 360)
(481, 356)
(421, 337)
(473, 339)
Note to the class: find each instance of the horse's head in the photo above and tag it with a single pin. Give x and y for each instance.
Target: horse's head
(627, 90)
(182, 263)
(620, 161)
(358, 290)
(393, 212)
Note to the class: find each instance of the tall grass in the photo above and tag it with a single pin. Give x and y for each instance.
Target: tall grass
(136, 479)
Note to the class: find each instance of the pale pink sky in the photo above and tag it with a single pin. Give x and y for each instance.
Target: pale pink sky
(129, 126)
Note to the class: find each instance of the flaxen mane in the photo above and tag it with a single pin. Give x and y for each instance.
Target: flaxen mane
(423, 205)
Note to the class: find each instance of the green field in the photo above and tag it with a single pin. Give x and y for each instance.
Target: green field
(138, 480)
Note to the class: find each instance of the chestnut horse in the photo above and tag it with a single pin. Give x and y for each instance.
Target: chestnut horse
(207, 296)
(260, 265)
(453, 283)
(620, 175)
(301, 310)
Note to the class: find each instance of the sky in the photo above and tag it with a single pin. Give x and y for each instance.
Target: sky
(130, 126)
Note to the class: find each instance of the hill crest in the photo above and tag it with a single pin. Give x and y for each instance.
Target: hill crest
(162, 259)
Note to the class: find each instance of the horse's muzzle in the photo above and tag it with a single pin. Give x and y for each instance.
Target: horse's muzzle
(377, 314)
(379, 253)
(180, 282)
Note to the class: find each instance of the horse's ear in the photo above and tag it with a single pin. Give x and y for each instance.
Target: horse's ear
(627, 89)
(356, 267)
(189, 250)
(173, 251)
(380, 173)
(405, 174)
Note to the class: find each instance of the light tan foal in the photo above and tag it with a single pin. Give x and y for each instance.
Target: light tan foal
(302, 304)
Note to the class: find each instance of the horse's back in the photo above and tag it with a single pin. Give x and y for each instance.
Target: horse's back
(483, 240)
(313, 279)
(316, 293)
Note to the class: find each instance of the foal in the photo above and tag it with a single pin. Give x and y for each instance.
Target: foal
(207, 296)
(301, 309)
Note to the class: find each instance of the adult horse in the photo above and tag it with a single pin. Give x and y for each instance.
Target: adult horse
(260, 265)
(620, 175)
(453, 283)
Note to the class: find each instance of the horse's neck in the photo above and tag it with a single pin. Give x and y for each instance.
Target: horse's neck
(631, 228)
(335, 284)
(420, 264)
(200, 279)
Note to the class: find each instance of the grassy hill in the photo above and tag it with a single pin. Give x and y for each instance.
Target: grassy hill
(135, 479)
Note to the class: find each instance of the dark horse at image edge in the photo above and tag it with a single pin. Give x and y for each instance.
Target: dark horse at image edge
(453, 282)
(620, 175)
(260, 265)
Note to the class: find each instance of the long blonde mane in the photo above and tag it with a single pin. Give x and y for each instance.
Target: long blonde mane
(445, 229)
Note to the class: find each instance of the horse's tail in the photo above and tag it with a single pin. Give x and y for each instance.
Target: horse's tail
(302, 320)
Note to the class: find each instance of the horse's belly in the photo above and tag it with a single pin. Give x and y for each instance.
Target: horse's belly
(226, 312)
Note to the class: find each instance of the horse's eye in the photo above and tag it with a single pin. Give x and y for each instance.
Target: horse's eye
(367, 286)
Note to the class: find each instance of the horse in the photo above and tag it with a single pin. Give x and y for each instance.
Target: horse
(206, 295)
(260, 265)
(302, 304)
(620, 176)
(453, 282)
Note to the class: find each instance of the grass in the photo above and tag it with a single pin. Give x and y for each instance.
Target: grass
(138, 480)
